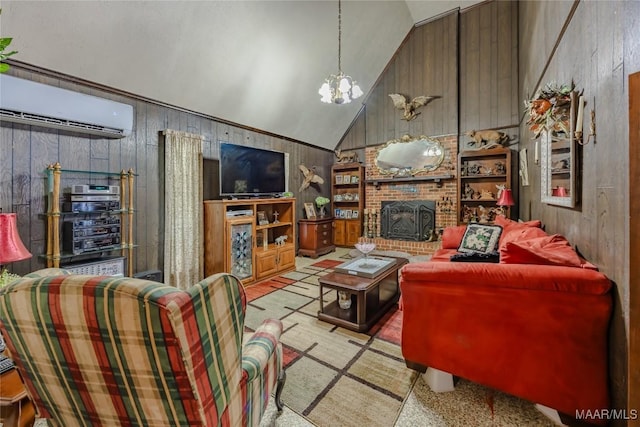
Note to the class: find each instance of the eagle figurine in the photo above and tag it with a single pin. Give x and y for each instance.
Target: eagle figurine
(410, 113)
(309, 177)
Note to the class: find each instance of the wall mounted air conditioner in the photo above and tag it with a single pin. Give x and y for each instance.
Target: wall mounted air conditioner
(25, 101)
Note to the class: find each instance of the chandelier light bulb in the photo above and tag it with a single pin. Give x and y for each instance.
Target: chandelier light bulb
(345, 84)
(356, 91)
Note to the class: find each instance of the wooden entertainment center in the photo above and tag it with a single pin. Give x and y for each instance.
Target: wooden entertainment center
(253, 239)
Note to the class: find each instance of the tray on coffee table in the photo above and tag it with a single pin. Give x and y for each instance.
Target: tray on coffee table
(369, 267)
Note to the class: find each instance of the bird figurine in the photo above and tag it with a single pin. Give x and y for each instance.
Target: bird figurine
(310, 176)
(410, 113)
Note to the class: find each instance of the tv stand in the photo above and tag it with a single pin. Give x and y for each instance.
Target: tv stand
(241, 237)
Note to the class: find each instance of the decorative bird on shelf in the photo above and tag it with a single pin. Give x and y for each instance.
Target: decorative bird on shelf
(310, 176)
(410, 113)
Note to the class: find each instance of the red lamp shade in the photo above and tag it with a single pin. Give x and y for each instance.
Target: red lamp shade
(11, 247)
(506, 198)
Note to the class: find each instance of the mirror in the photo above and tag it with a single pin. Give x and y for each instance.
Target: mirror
(558, 174)
(552, 118)
(407, 156)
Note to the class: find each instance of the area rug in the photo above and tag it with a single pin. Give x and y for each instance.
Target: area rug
(332, 371)
(336, 377)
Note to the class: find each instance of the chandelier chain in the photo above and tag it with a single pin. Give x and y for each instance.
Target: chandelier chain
(339, 36)
(339, 88)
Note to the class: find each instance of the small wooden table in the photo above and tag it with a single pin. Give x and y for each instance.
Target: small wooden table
(371, 298)
(15, 407)
(315, 237)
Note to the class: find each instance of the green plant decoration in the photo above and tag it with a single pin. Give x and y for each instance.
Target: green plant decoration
(6, 277)
(4, 43)
(321, 201)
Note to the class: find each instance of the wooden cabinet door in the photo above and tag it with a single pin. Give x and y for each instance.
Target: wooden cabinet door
(352, 232)
(286, 257)
(339, 232)
(307, 237)
(240, 243)
(266, 263)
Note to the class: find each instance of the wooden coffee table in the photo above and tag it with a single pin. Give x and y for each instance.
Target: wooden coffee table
(371, 297)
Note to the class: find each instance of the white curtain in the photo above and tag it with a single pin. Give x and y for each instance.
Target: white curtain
(183, 247)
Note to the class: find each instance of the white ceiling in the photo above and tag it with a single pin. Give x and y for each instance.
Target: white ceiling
(254, 63)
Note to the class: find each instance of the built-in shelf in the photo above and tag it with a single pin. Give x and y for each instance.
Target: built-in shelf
(435, 178)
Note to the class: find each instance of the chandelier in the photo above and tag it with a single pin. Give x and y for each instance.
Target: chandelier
(339, 88)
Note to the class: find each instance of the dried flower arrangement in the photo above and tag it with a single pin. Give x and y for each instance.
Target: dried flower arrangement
(550, 108)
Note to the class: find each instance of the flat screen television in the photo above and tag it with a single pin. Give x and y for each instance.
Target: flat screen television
(251, 172)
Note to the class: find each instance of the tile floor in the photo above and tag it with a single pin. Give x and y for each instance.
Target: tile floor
(421, 408)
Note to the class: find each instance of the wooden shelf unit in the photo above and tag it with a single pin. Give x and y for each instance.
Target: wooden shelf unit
(347, 198)
(234, 241)
(54, 255)
(487, 178)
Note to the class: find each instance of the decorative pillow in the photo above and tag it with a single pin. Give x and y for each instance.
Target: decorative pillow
(547, 250)
(452, 236)
(518, 234)
(480, 238)
(506, 223)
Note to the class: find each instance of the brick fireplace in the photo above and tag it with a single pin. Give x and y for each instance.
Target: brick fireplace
(442, 197)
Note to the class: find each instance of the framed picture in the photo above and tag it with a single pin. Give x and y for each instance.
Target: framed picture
(354, 179)
(262, 218)
(355, 214)
(347, 213)
(336, 213)
(338, 179)
(310, 210)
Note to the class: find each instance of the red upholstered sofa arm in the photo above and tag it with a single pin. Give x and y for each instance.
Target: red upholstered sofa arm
(537, 332)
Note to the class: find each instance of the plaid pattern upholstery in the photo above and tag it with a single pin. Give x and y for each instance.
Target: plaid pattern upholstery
(120, 351)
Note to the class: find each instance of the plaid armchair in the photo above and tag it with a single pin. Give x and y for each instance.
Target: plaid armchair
(108, 351)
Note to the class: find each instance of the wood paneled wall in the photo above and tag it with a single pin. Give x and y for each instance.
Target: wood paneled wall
(468, 58)
(593, 44)
(25, 151)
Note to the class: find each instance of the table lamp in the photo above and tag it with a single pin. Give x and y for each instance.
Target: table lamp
(11, 247)
(505, 199)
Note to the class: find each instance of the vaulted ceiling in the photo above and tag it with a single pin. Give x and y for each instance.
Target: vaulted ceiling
(254, 63)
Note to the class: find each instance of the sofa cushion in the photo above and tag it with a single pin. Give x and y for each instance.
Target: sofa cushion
(452, 236)
(546, 250)
(480, 238)
(507, 223)
(443, 255)
(518, 234)
(513, 276)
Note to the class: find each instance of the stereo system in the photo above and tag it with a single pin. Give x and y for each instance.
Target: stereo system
(95, 189)
(89, 235)
(97, 231)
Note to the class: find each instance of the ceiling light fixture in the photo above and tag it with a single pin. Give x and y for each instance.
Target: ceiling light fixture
(339, 88)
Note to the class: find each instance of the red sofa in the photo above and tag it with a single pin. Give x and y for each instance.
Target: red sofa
(537, 330)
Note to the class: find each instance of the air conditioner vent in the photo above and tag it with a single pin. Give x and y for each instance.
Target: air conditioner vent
(28, 102)
(33, 119)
